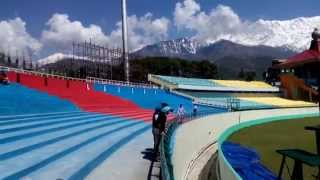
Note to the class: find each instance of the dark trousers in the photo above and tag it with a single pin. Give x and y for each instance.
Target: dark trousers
(156, 139)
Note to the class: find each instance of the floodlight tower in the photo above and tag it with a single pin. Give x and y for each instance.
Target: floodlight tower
(125, 40)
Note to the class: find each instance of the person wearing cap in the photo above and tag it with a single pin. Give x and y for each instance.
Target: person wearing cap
(180, 113)
(155, 130)
(195, 110)
(4, 78)
(159, 125)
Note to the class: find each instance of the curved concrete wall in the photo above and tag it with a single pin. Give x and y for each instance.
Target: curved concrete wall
(191, 138)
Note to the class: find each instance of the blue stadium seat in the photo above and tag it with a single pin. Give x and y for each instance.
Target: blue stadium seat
(146, 97)
(150, 98)
(188, 81)
(16, 99)
(223, 98)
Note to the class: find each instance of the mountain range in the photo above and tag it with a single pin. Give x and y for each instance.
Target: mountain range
(190, 49)
(230, 57)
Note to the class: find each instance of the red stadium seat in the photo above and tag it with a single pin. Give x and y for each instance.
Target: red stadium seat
(84, 96)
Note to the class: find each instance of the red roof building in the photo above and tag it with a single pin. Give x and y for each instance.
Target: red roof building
(309, 56)
(300, 74)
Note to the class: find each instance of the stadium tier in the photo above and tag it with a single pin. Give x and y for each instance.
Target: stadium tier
(243, 84)
(236, 103)
(250, 102)
(150, 98)
(232, 94)
(50, 125)
(278, 102)
(83, 96)
(172, 82)
(60, 145)
(13, 100)
(188, 81)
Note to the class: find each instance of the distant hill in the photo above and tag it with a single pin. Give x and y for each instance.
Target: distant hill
(139, 68)
(190, 49)
(228, 56)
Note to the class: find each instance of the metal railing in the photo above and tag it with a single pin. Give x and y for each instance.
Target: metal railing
(88, 79)
(165, 148)
(41, 74)
(121, 83)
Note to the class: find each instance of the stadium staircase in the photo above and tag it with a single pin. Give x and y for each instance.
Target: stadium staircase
(298, 89)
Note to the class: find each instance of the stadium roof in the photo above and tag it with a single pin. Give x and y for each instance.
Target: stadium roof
(308, 56)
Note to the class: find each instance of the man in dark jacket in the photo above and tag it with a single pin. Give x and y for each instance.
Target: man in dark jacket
(155, 130)
(159, 124)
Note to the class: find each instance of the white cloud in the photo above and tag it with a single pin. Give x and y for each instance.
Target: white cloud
(143, 30)
(62, 32)
(207, 26)
(16, 40)
(223, 23)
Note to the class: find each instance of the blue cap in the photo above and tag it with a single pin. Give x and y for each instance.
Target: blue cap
(166, 109)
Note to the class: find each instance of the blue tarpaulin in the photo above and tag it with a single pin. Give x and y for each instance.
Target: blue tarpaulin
(246, 162)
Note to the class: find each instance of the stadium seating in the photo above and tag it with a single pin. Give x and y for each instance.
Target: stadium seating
(60, 145)
(277, 102)
(43, 127)
(16, 99)
(211, 85)
(247, 101)
(149, 98)
(84, 96)
(62, 120)
(242, 84)
(188, 81)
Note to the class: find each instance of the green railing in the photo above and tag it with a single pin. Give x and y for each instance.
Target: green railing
(228, 171)
(166, 142)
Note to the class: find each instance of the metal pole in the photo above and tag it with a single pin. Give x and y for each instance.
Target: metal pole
(125, 40)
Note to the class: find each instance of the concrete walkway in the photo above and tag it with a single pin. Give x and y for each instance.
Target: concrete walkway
(74, 145)
(129, 162)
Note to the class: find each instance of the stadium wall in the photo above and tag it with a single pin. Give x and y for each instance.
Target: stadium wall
(194, 137)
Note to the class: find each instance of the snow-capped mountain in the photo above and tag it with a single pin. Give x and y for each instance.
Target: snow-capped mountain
(294, 34)
(230, 57)
(53, 58)
(191, 49)
(56, 57)
(178, 46)
(183, 47)
(284, 36)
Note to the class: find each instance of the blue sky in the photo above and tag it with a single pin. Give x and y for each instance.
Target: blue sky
(42, 27)
(106, 12)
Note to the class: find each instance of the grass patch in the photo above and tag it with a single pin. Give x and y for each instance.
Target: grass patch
(267, 138)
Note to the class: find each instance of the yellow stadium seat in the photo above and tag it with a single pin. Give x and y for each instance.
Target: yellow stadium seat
(278, 102)
(242, 84)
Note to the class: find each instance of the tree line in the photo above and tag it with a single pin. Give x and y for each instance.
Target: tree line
(139, 68)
